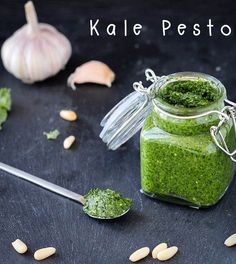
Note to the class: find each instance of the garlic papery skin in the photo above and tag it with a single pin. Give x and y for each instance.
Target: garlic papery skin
(36, 51)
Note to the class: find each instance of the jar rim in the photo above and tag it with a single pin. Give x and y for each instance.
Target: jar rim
(184, 111)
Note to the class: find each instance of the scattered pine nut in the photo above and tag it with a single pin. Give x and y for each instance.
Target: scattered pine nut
(167, 253)
(139, 254)
(230, 241)
(158, 249)
(44, 253)
(68, 115)
(68, 142)
(19, 246)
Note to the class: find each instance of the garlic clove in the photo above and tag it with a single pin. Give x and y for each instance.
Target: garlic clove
(36, 51)
(91, 72)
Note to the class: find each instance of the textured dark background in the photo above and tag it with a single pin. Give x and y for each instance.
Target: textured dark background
(44, 219)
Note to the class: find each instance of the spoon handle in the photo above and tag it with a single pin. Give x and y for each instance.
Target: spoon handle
(45, 184)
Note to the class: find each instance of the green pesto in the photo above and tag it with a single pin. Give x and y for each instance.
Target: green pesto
(189, 93)
(190, 169)
(105, 203)
(52, 135)
(180, 162)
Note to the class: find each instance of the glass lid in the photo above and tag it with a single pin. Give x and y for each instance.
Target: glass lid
(128, 116)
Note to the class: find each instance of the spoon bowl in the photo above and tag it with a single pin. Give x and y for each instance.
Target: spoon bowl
(108, 218)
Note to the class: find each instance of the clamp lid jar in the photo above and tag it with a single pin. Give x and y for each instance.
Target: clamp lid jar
(187, 141)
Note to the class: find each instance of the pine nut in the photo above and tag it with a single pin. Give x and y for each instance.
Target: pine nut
(68, 115)
(167, 253)
(230, 241)
(44, 253)
(19, 246)
(68, 142)
(158, 249)
(139, 254)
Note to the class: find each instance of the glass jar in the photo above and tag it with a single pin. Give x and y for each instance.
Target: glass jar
(185, 152)
(179, 160)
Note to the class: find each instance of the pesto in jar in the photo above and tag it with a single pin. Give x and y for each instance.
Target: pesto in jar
(180, 162)
(187, 93)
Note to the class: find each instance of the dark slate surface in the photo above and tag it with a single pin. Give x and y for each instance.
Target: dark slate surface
(44, 219)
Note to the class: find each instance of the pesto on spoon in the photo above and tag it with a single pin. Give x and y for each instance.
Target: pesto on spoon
(98, 203)
(105, 204)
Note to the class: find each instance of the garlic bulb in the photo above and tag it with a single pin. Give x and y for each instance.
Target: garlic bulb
(36, 51)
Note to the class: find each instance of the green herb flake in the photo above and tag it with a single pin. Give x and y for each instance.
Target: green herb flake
(5, 98)
(105, 203)
(195, 93)
(5, 104)
(52, 135)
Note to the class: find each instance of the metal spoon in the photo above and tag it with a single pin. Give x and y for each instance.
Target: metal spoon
(51, 187)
